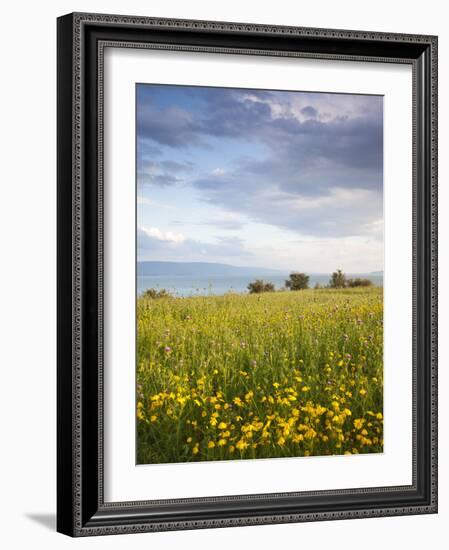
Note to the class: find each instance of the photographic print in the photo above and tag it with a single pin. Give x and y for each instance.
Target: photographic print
(247, 274)
(259, 273)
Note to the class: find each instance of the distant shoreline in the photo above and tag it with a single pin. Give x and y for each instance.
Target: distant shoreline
(150, 268)
(217, 286)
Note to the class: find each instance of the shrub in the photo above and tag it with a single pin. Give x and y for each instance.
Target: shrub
(154, 293)
(338, 279)
(258, 286)
(297, 281)
(353, 283)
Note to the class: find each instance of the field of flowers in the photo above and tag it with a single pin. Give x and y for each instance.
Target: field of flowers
(259, 376)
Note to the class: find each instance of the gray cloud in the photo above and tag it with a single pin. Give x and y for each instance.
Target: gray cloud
(309, 111)
(334, 211)
(320, 169)
(173, 126)
(176, 167)
(162, 172)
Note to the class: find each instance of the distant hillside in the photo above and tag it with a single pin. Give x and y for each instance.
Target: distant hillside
(198, 269)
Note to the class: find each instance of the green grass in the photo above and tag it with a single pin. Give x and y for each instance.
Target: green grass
(257, 376)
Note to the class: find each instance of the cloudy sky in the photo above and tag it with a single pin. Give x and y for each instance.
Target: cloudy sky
(288, 180)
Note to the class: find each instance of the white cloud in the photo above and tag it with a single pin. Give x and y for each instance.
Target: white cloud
(218, 172)
(338, 198)
(169, 236)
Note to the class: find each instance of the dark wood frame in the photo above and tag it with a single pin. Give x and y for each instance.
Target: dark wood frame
(81, 509)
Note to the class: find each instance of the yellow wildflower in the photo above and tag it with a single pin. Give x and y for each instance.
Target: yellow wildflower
(241, 444)
(358, 423)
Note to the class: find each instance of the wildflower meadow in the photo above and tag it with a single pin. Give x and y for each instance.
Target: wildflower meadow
(244, 376)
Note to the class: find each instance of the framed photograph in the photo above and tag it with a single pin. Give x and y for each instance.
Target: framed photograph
(247, 274)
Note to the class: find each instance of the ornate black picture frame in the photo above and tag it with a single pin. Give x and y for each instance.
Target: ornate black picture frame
(81, 510)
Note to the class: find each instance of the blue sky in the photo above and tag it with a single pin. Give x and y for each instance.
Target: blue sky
(289, 180)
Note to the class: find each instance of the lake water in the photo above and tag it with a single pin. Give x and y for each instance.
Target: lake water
(191, 286)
